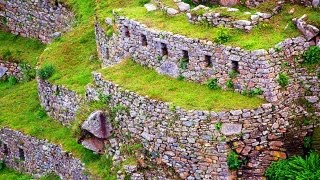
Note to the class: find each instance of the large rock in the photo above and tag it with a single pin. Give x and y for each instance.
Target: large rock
(229, 2)
(231, 129)
(183, 6)
(172, 11)
(150, 7)
(316, 3)
(169, 68)
(3, 71)
(98, 123)
(94, 144)
(307, 30)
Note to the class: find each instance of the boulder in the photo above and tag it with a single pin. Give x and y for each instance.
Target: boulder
(243, 22)
(169, 68)
(172, 11)
(98, 124)
(56, 35)
(264, 15)
(307, 30)
(312, 99)
(315, 3)
(3, 71)
(231, 129)
(94, 144)
(183, 6)
(150, 7)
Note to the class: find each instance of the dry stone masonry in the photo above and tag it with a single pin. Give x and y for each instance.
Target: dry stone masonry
(40, 19)
(38, 157)
(8, 69)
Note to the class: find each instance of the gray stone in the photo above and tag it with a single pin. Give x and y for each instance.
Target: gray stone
(109, 21)
(312, 99)
(3, 71)
(94, 144)
(183, 6)
(150, 7)
(98, 124)
(254, 17)
(172, 11)
(169, 68)
(315, 3)
(231, 129)
(309, 31)
(56, 35)
(264, 15)
(243, 22)
(147, 136)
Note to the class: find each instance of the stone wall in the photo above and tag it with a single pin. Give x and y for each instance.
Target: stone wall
(10, 69)
(163, 51)
(59, 102)
(40, 19)
(189, 142)
(38, 157)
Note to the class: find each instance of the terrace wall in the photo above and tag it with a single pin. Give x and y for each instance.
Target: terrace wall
(12, 69)
(188, 140)
(41, 19)
(38, 157)
(256, 68)
(59, 102)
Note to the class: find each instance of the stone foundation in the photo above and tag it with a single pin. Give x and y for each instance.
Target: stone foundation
(10, 69)
(38, 157)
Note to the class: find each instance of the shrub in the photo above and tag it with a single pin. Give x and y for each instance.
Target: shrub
(233, 160)
(307, 142)
(230, 84)
(283, 80)
(46, 72)
(28, 72)
(218, 125)
(223, 36)
(255, 92)
(12, 80)
(109, 32)
(312, 55)
(104, 98)
(295, 168)
(180, 78)
(233, 74)
(213, 84)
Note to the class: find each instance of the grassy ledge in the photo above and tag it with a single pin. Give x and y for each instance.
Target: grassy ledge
(10, 174)
(264, 36)
(22, 112)
(188, 95)
(18, 49)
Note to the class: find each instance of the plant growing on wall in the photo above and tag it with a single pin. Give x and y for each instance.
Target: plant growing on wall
(312, 55)
(213, 84)
(283, 80)
(46, 71)
(233, 160)
(230, 84)
(183, 63)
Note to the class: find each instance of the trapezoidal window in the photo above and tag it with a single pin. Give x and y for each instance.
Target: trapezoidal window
(5, 149)
(208, 61)
(126, 31)
(235, 66)
(144, 41)
(21, 154)
(164, 49)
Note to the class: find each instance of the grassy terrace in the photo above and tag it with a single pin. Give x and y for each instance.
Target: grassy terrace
(21, 111)
(264, 36)
(145, 81)
(16, 48)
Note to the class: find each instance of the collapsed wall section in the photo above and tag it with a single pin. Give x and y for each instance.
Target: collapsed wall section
(8, 69)
(38, 157)
(41, 19)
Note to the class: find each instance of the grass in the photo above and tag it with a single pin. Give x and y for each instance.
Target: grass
(71, 56)
(19, 49)
(188, 95)
(21, 111)
(264, 36)
(9, 174)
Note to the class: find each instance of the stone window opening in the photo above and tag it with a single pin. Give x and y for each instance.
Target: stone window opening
(107, 53)
(126, 31)
(208, 61)
(235, 66)
(5, 149)
(144, 41)
(185, 55)
(164, 49)
(21, 154)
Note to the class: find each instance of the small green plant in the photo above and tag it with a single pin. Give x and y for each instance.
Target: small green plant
(277, 49)
(233, 74)
(104, 98)
(312, 55)
(230, 84)
(180, 78)
(213, 84)
(218, 125)
(159, 58)
(29, 73)
(183, 63)
(255, 92)
(12, 80)
(109, 32)
(223, 36)
(41, 113)
(7, 55)
(307, 142)
(233, 160)
(46, 72)
(2, 165)
(283, 80)
(143, 2)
